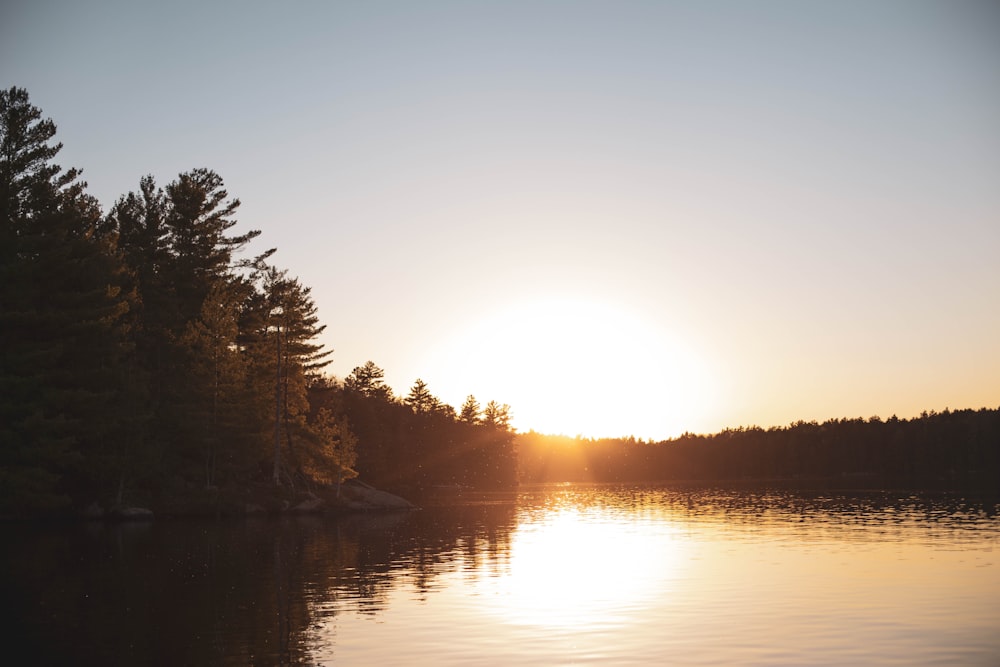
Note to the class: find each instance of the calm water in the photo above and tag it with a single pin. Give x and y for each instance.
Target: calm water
(547, 576)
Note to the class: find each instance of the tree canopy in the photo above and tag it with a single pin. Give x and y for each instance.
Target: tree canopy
(146, 358)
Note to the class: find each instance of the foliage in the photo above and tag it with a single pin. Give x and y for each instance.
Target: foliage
(143, 360)
(61, 302)
(421, 442)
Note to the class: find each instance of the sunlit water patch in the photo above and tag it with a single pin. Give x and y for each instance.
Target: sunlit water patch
(582, 570)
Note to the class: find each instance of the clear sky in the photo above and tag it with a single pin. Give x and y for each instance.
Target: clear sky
(618, 217)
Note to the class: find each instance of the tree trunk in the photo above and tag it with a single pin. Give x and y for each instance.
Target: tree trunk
(277, 414)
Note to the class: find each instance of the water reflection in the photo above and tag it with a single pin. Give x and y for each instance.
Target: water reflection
(547, 575)
(582, 569)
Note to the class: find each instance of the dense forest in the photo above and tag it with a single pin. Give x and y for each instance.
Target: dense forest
(146, 357)
(957, 449)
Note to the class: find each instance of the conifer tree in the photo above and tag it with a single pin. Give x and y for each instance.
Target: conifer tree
(420, 398)
(60, 303)
(470, 411)
(185, 324)
(369, 381)
(281, 328)
(333, 454)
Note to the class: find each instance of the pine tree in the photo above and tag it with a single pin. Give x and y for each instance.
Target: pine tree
(61, 301)
(331, 458)
(369, 381)
(421, 400)
(185, 324)
(281, 326)
(470, 412)
(217, 401)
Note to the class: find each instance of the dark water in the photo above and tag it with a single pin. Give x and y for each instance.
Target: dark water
(549, 575)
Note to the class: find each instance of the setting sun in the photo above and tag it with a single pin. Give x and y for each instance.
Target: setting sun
(581, 367)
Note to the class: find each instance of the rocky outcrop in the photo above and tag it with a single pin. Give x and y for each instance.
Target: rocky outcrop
(359, 496)
(309, 505)
(262, 500)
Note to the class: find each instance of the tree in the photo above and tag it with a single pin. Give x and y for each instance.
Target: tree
(291, 322)
(368, 380)
(497, 416)
(421, 400)
(61, 301)
(470, 412)
(332, 459)
(217, 403)
(199, 214)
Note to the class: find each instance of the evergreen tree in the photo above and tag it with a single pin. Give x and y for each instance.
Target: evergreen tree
(217, 403)
(420, 399)
(200, 253)
(61, 300)
(332, 457)
(497, 416)
(369, 381)
(190, 294)
(470, 412)
(285, 348)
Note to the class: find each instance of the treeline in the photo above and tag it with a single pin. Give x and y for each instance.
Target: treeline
(145, 356)
(958, 448)
(416, 441)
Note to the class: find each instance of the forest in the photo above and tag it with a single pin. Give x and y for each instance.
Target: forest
(952, 449)
(148, 358)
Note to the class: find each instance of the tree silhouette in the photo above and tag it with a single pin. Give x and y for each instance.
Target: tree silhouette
(420, 398)
(61, 298)
(368, 380)
(470, 412)
(497, 415)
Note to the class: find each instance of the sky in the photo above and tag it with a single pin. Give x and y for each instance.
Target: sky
(619, 218)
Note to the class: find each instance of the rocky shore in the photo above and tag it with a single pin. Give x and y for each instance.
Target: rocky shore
(354, 496)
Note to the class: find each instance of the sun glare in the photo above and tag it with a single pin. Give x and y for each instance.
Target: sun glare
(570, 571)
(580, 367)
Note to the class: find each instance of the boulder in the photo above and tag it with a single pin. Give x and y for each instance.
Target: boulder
(313, 504)
(360, 496)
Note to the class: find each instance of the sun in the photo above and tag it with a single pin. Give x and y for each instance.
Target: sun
(580, 367)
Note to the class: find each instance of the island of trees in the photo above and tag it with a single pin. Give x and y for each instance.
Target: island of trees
(146, 357)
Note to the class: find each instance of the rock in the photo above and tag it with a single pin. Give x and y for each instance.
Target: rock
(311, 505)
(356, 505)
(363, 497)
(253, 508)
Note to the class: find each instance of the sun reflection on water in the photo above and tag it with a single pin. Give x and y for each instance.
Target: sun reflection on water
(581, 569)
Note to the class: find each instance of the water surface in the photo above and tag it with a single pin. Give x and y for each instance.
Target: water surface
(547, 575)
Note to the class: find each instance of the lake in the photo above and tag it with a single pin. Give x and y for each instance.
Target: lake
(553, 575)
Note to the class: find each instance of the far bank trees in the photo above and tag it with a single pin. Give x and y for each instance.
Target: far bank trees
(957, 449)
